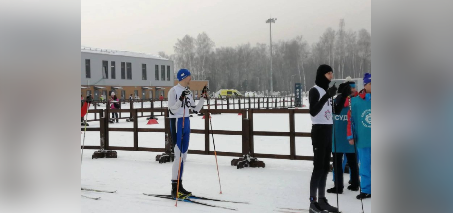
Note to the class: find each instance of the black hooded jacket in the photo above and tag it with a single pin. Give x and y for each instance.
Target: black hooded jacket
(316, 104)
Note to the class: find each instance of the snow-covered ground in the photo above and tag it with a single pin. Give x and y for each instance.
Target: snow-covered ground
(282, 184)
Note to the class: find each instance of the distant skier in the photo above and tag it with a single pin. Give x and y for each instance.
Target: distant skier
(320, 97)
(340, 145)
(359, 132)
(114, 105)
(161, 98)
(180, 99)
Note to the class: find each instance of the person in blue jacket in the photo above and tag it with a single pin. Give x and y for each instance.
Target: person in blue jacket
(340, 145)
(359, 132)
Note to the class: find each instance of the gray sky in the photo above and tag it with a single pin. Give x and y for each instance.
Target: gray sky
(150, 26)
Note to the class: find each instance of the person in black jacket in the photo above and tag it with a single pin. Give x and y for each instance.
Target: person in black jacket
(320, 98)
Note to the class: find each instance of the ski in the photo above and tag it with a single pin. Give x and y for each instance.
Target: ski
(294, 210)
(96, 190)
(188, 200)
(93, 198)
(202, 198)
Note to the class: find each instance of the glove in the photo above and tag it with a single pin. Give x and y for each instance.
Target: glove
(332, 91)
(183, 95)
(204, 92)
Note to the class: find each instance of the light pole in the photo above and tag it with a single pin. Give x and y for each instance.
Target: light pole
(270, 21)
(290, 83)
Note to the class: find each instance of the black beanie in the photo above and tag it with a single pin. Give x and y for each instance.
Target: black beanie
(321, 79)
(323, 69)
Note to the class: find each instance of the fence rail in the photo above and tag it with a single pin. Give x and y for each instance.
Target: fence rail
(247, 131)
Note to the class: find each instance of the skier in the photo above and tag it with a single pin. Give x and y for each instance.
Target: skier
(180, 100)
(359, 132)
(114, 105)
(340, 145)
(320, 97)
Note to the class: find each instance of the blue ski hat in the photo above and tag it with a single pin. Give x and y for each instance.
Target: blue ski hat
(366, 79)
(182, 73)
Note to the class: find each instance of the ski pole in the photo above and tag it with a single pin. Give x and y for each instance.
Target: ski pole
(212, 134)
(334, 156)
(355, 150)
(84, 131)
(180, 152)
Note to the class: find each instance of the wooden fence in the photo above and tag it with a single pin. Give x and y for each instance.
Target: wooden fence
(247, 132)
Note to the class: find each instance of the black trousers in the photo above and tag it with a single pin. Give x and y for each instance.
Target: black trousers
(352, 162)
(115, 114)
(321, 139)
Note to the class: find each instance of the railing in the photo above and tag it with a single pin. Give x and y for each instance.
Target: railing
(247, 132)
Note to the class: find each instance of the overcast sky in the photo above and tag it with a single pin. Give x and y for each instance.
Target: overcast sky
(150, 26)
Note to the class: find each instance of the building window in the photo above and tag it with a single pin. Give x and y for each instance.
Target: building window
(129, 70)
(168, 73)
(162, 72)
(135, 94)
(156, 71)
(112, 69)
(87, 68)
(88, 93)
(143, 71)
(123, 94)
(123, 70)
(105, 70)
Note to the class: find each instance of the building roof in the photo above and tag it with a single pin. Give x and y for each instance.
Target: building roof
(120, 53)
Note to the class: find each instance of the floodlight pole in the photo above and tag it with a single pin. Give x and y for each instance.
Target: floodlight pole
(270, 21)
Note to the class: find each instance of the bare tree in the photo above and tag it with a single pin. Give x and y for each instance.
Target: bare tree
(185, 52)
(203, 46)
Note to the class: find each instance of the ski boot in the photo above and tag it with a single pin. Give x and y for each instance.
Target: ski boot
(363, 196)
(353, 188)
(326, 206)
(314, 208)
(334, 190)
(174, 188)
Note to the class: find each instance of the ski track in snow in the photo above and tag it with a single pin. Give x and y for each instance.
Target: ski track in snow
(282, 184)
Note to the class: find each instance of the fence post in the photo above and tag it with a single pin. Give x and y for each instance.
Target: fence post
(283, 102)
(102, 131)
(267, 107)
(292, 135)
(259, 107)
(131, 106)
(228, 103)
(276, 103)
(249, 103)
(206, 130)
(95, 109)
(251, 141)
(239, 103)
(215, 100)
(245, 136)
(169, 136)
(161, 106)
(134, 113)
(119, 102)
(142, 106)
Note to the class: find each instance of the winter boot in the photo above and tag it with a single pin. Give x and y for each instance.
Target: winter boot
(353, 188)
(363, 196)
(184, 191)
(324, 205)
(334, 190)
(174, 188)
(314, 208)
